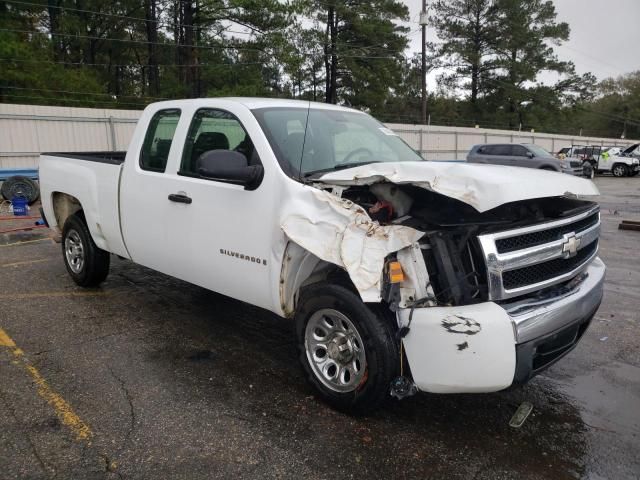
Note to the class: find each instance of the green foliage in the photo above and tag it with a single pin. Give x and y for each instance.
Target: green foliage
(99, 53)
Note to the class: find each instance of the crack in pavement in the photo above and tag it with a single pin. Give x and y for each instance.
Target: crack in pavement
(44, 466)
(132, 414)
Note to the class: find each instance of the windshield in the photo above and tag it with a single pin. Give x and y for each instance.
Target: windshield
(332, 139)
(539, 151)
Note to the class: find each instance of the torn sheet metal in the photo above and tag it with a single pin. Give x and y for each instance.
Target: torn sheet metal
(341, 232)
(482, 186)
(460, 349)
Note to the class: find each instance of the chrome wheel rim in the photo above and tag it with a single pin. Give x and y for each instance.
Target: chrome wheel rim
(617, 171)
(74, 251)
(335, 351)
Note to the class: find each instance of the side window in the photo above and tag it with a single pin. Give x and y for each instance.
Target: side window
(519, 151)
(502, 150)
(213, 129)
(497, 150)
(157, 141)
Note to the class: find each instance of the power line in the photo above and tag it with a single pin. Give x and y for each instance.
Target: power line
(142, 42)
(165, 25)
(175, 45)
(66, 100)
(535, 95)
(7, 87)
(113, 15)
(52, 62)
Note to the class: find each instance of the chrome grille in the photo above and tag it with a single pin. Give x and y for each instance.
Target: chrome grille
(526, 259)
(540, 272)
(540, 237)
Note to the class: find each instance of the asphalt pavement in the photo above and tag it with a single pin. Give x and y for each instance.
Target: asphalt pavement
(151, 377)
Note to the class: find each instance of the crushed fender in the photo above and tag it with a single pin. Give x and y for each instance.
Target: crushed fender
(341, 232)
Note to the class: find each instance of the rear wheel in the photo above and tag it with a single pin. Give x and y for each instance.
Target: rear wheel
(87, 264)
(620, 170)
(347, 351)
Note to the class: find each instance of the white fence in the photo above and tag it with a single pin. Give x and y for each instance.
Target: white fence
(27, 130)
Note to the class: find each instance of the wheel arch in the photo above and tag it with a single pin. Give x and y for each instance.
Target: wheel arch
(64, 205)
(301, 268)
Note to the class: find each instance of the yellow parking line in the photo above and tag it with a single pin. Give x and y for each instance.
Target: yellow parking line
(26, 262)
(26, 296)
(5, 340)
(62, 408)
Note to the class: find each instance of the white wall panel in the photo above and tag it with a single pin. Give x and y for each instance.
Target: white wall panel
(27, 130)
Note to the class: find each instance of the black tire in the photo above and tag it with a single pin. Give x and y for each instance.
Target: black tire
(375, 329)
(549, 169)
(92, 265)
(588, 170)
(619, 170)
(19, 186)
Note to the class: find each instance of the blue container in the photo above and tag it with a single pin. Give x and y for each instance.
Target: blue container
(19, 205)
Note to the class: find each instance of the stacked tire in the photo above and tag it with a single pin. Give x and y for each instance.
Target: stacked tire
(19, 186)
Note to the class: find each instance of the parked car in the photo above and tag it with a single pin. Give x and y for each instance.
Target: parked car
(620, 163)
(604, 159)
(522, 155)
(474, 277)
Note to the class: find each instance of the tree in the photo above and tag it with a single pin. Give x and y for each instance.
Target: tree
(525, 28)
(363, 48)
(615, 110)
(467, 33)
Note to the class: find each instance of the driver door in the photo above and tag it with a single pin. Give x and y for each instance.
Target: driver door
(221, 237)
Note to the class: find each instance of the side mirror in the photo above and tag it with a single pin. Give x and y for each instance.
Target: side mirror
(530, 155)
(231, 167)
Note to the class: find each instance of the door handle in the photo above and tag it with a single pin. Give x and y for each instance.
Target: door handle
(180, 198)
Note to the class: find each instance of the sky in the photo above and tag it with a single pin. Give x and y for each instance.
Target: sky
(604, 40)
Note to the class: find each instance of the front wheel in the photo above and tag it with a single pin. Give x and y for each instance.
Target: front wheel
(87, 264)
(347, 351)
(588, 170)
(619, 170)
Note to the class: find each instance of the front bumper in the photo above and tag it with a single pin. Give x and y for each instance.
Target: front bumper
(488, 347)
(577, 171)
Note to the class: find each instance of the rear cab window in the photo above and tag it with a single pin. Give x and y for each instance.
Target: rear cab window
(157, 141)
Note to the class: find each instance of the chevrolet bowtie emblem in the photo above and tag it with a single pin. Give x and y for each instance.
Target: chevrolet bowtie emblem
(570, 245)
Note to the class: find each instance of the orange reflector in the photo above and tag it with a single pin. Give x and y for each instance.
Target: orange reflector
(396, 275)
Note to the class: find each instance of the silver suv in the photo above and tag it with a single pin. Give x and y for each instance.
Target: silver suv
(522, 155)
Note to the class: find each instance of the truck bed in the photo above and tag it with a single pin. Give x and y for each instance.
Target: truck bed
(93, 180)
(114, 158)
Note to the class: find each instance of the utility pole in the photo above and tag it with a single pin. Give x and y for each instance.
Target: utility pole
(423, 24)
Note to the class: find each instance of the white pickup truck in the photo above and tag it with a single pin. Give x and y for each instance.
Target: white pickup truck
(400, 274)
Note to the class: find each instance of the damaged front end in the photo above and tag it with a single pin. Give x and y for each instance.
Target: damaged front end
(495, 288)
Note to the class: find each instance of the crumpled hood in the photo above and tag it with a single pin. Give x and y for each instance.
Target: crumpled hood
(482, 186)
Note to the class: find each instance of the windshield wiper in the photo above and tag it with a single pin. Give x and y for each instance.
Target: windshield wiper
(339, 166)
